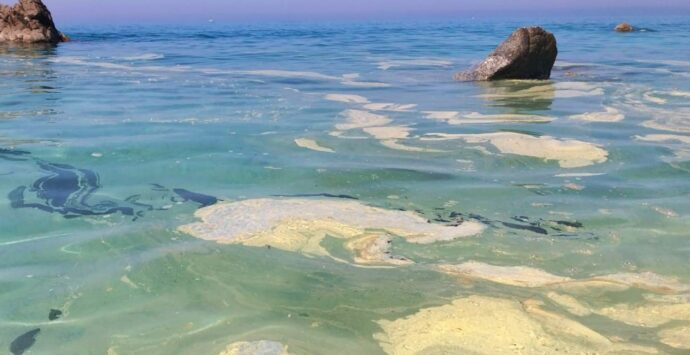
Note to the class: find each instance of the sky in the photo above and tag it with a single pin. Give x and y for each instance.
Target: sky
(116, 11)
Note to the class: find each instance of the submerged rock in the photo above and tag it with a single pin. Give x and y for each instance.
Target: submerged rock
(28, 21)
(529, 53)
(23, 342)
(624, 27)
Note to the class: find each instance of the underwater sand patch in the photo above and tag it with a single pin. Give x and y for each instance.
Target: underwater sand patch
(356, 119)
(261, 347)
(610, 114)
(300, 225)
(678, 338)
(312, 145)
(486, 325)
(569, 153)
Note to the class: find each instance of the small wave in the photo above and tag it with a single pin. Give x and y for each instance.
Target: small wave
(145, 56)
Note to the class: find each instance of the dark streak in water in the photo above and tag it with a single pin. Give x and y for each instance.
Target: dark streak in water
(13, 155)
(13, 152)
(528, 227)
(523, 223)
(23, 342)
(66, 190)
(203, 200)
(347, 197)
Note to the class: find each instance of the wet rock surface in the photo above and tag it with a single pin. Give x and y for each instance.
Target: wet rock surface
(529, 53)
(28, 21)
(624, 27)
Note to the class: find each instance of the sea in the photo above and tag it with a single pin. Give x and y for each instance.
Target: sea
(328, 188)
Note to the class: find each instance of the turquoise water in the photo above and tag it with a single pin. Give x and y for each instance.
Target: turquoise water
(100, 132)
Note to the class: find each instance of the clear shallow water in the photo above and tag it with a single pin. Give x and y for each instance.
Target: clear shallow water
(216, 110)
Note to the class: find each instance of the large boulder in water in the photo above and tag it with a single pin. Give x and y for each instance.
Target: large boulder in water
(28, 21)
(529, 53)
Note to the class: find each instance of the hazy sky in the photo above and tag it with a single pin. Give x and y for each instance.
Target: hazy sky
(251, 10)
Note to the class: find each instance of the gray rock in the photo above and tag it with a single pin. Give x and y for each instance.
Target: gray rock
(529, 53)
(624, 27)
(28, 21)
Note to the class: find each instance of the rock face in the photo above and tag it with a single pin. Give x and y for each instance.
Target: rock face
(624, 27)
(529, 53)
(28, 21)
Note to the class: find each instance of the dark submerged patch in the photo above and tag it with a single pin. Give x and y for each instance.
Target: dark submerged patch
(23, 342)
(66, 190)
(203, 200)
(54, 314)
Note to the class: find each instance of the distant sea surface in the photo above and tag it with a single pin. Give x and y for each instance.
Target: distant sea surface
(114, 142)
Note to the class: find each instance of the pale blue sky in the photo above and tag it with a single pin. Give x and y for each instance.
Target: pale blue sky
(70, 11)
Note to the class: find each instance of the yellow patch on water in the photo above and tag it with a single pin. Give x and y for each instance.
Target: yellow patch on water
(487, 325)
(610, 114)
(680, 93)
(300, 225)
(664, 138)
(375, 249)
(389, 137)
(313, 145)
(648, 315)
(524, 276)
(457, 118)
(678, 337)
(388, 132)
(390, 107)
(521, 276)
(569, 153)
(356, 119)
(346, 98)
(261, 347)
(396, 145)
(569, 303)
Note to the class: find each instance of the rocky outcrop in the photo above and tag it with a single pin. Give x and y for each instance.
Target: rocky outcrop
(28, 21)
(529, 53)
(624, 27)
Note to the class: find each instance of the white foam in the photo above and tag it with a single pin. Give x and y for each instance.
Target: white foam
(388, 64)
(145, 56)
